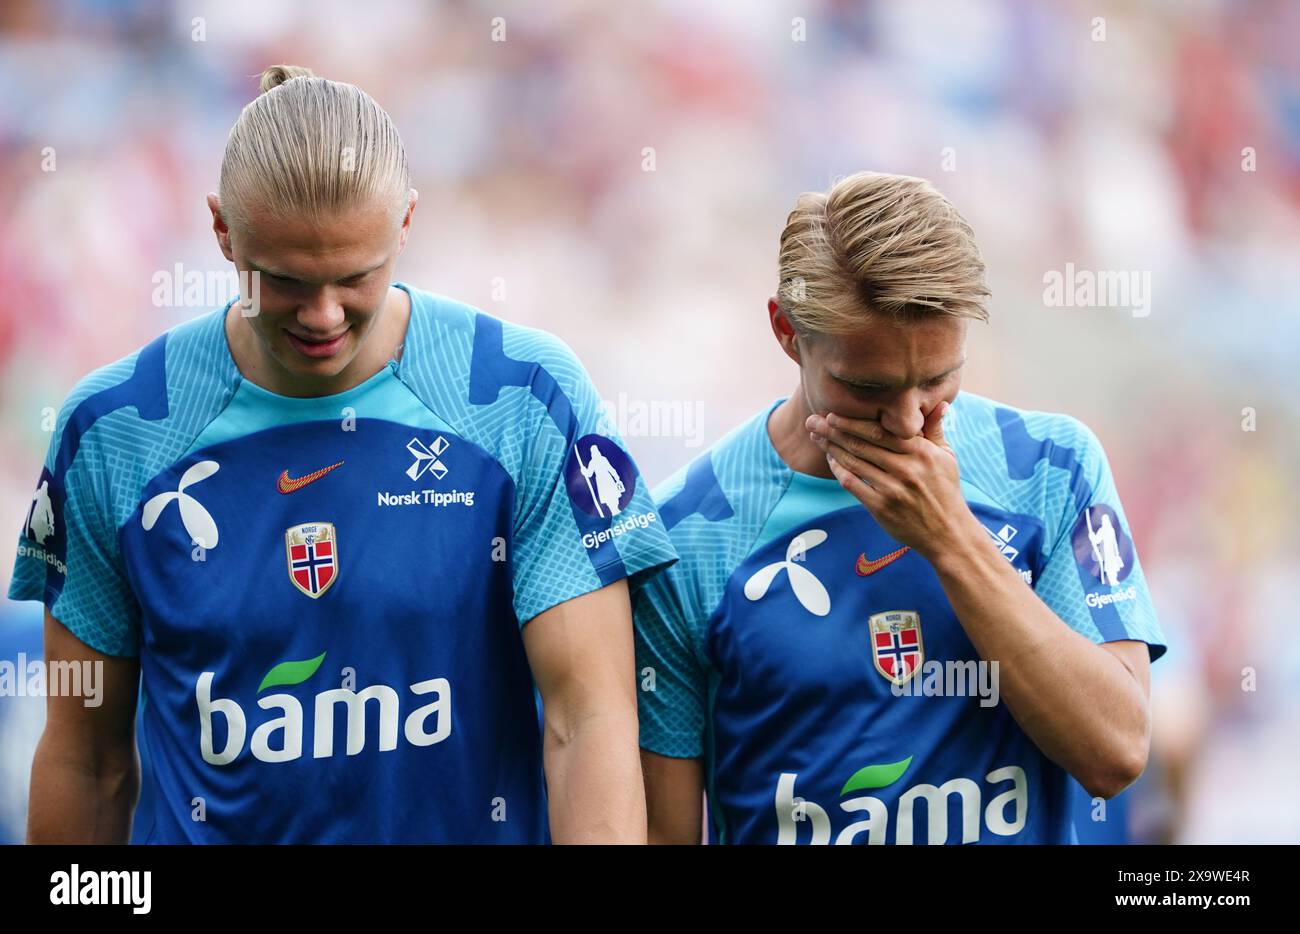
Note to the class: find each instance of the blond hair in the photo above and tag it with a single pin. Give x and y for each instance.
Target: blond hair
(877, 244)
(310, 147)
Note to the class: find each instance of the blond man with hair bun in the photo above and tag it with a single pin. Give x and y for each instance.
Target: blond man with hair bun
(336, 536)
(890, 623)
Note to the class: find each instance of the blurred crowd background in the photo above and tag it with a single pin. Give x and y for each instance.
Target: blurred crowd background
(619, 173)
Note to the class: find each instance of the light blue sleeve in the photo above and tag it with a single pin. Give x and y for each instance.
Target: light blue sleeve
(68, 553)
(583, 517)
(1091, 576)
(713, 531)
(672, 681)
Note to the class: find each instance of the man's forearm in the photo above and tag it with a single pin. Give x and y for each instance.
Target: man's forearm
(1081, 706)
(72, 801)
(594, 783)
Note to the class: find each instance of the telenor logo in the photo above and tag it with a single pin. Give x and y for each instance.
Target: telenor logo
(198, 522)
(808, 590)
(287, 484)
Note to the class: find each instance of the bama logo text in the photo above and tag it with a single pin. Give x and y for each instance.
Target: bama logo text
(1004, 815)
(281, 738)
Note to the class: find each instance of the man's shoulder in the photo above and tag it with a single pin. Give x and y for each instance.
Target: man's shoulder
(457, 336)
(154, 384)
(517, 392)
(128, 419)
(475, 365)
(1022, 440)
(1027, 461)
(720, 484)
(716, 505)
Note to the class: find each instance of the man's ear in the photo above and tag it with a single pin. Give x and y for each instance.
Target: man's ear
(220, 227)
(406, 220)
(783, 329)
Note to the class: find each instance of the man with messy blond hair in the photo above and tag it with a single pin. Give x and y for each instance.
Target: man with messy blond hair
(889, 623)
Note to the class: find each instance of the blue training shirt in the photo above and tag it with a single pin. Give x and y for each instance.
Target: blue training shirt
(779, 646)
(326, 594)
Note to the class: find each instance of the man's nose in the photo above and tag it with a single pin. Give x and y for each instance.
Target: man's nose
(322, 314)
(904, 419)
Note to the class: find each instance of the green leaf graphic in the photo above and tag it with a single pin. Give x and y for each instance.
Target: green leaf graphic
(291, 673)
(876, 776)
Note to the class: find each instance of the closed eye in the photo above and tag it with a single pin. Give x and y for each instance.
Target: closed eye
(866, 389)
(861, 387)
(287, 281)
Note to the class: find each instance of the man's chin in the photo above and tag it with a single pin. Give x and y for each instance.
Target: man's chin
(315, 369)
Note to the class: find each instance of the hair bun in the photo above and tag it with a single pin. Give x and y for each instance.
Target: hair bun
(277, 75)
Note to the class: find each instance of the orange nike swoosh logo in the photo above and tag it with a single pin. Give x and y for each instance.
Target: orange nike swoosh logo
(287, 484)
(865, 567)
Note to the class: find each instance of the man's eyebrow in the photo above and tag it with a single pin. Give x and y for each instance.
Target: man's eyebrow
(884, 384)
(281, 275)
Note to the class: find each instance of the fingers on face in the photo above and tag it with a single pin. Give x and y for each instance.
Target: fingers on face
(851, 481)
(863, 469)
(878, 454)
(863, 434)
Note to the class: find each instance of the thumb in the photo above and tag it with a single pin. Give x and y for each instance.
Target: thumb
(933, 428)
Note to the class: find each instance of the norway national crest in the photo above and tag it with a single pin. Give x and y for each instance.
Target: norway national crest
(896, 644)
(313, 553)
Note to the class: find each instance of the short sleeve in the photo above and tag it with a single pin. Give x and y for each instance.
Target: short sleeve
(68, 554)
(672, 682)
(584, 518)
(1091, 576)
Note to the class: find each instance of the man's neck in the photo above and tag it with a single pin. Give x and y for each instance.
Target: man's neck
(790, 438)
